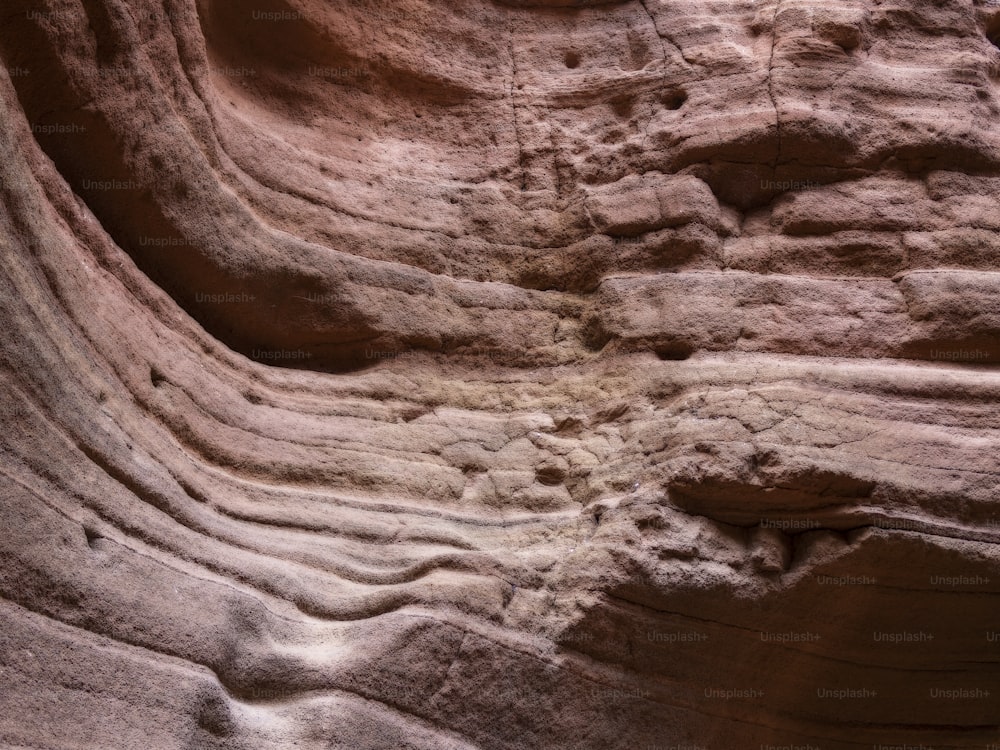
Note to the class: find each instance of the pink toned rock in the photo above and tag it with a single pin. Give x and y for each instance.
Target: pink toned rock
(499, 374)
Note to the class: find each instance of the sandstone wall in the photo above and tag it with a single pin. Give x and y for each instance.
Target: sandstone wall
(499, 374)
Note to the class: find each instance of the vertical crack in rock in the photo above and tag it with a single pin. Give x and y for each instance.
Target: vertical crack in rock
(513, 109)
(663, 72)
(661, 35)
(770, 88)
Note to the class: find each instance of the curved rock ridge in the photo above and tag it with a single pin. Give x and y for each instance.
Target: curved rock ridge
(499, 374)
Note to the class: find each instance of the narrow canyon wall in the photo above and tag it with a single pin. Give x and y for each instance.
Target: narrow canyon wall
(499, 374)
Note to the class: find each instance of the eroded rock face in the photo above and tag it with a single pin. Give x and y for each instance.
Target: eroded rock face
(495, 374)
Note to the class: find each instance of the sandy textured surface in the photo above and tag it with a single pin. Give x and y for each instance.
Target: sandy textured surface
(499, 374)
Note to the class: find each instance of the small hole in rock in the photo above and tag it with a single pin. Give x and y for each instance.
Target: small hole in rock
(674, 100)
(549, 475)
(992, 29)
(674, 352)
(572, 60)
(92, 537)
(156, 377)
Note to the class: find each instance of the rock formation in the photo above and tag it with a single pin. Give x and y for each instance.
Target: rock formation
(499, 374)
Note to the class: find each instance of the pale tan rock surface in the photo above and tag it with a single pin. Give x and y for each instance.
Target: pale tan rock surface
(499, 374)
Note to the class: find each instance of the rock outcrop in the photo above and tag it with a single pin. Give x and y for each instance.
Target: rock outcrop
(499, 374)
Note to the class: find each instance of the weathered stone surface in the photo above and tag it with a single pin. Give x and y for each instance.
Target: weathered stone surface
(499, 374)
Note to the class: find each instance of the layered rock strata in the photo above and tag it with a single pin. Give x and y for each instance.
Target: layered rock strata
(499, 374)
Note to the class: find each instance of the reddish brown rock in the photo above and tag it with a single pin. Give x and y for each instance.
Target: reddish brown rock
(499, 374)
